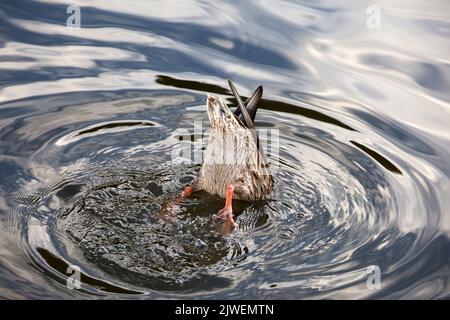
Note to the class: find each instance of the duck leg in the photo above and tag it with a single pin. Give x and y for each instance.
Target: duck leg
(227, 212)
(168, 211)
(186, 193)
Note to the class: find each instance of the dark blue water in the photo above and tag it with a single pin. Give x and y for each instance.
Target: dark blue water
(90, 118)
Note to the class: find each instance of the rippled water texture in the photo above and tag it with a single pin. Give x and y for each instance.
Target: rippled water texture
(90, 118)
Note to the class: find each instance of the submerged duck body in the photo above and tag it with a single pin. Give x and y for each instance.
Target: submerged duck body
(233, 155)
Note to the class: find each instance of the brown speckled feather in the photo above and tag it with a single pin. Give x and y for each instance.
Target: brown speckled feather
(232, 156)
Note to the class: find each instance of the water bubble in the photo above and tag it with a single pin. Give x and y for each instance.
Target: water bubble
(286, 233)
(102, 250)
(200, 244)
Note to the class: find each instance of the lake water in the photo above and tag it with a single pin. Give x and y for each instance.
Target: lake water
(357, 104)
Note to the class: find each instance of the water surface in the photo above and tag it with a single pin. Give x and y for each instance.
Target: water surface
(90, 118)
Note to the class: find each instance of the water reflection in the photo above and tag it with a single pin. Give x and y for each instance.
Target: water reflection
(89, 116)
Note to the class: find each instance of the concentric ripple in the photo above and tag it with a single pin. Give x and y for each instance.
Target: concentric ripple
(115, 212)
(94, 123)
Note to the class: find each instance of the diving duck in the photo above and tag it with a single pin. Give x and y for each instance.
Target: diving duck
(234, 165)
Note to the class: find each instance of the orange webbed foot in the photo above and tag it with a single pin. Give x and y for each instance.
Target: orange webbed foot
(226, 213)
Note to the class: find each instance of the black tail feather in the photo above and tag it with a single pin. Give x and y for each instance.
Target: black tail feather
(251, 104)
